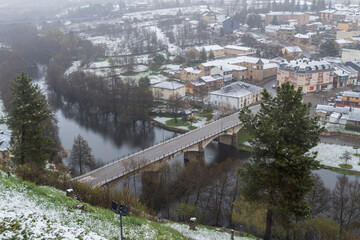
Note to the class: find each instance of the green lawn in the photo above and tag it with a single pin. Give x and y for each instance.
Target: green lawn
(346, 166)
(179, 123)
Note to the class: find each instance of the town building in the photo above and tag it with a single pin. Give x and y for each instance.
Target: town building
(292, 52)
(350, 55)
(299, 18)
(230, 25)
(283, 32)
(345, 25)
(348, 116)
(203, 85)
(344, 75)
(309, 75)
(303, 39)
(190, 73)
(164, 90)
(326, 16)
(216, 49)
(349, 99)
(236, 95)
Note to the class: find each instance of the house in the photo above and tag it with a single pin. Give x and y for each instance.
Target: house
(223, 70)
(230, 25)
(236, 95)
(345, 75)
(309, 75)
(299, 18)
(238, 50)
(190, 73)
(349, 99)
(204, 84)
(345, 25)
(216, 49)
(303, 39)
(164, 90)
(292, 51)
(284, 32)
(341, 43)
(326, 16)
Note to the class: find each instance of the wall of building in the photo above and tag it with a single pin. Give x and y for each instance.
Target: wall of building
(161, 93)
(350, 55)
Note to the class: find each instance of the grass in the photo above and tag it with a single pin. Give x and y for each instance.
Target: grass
(243, 136)
(179, 123)
(48, 214)
(343, 171)
(192, 127)
(346, 166)
(206, 114)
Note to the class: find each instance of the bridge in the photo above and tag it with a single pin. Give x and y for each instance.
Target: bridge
(192, 144)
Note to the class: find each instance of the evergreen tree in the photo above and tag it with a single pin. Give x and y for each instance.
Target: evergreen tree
(330, 5)
(279, 173)
(203, 56)
(211, 55)
(275, 21)
(328, 48)
(28, 119)
(292, 5)
(81, 158)
(298, 7)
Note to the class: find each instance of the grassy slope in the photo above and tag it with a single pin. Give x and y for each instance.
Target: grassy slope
(28, 211)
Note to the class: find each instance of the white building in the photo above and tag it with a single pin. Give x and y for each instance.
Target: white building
(164, 90)
(236, 95)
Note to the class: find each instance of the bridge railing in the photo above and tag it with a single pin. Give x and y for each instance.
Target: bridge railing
(151, 161)
(154, 146)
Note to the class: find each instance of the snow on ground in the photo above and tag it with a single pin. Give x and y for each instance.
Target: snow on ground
(329, 155)
(74, 67)
(141, 68)
(200, 122)
(39, 219)
(162, 119)
(202, 233)
(103, 64)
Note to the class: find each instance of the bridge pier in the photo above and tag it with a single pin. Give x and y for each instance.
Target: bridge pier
(194, 156)
(231, 140)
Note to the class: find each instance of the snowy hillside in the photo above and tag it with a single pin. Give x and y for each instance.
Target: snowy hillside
(28, 211)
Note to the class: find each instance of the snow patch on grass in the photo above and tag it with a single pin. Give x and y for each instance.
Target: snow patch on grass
(329, 155)
(202, 233)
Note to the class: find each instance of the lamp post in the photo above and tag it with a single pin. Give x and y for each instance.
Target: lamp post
(356, 148)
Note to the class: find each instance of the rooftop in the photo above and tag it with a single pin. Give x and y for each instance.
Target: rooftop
(237, 90)
(168, 85)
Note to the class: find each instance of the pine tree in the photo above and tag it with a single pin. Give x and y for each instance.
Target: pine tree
(203, 56)
(211, 55)
(279, 173)
(81, 158)
(28, 119)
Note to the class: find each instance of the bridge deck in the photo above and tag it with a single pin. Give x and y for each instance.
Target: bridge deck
(155, 153)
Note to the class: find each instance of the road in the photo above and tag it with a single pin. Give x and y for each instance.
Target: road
(155, 153)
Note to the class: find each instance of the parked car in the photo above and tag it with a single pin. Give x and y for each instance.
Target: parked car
(274, 86)
(303, 93)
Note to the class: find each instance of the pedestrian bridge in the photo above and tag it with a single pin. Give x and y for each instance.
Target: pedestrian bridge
(192, 144)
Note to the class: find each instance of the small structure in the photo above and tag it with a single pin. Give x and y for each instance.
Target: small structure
(165, 90)
(192, 223)
(292, 51)
(236, 95)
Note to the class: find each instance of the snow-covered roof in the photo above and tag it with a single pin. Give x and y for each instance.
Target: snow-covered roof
(343, 41)
(279, 27)
(235, 47)
(211, 78)
(237, 90)
(284, 13)
(351, 94)
(270, 65)
(354, 117)
(306, 65)
(293, 49)
(210, 48)
(303, 36)
(193, 70)
(168, 85)
(324, 108)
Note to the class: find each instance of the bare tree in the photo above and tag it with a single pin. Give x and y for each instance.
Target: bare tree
(81, 158)
(175, 103)
(319, 198)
